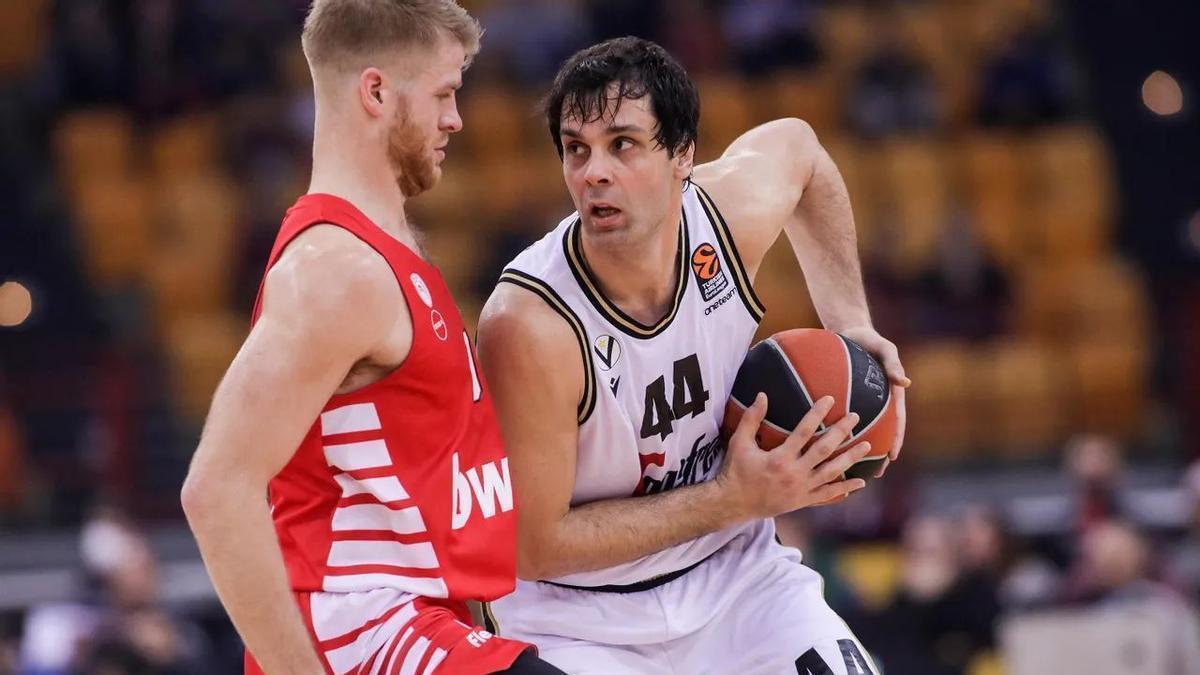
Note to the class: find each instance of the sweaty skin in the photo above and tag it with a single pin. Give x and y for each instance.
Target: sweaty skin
(775, 178)
(333, 320)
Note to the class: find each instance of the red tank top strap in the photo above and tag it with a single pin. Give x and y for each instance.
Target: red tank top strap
(325, 209)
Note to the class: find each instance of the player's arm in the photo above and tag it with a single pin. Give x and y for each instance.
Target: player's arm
(329, 302)
(533, 366)
(777, 177)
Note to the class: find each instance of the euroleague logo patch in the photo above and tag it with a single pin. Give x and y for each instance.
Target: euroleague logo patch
(706, 265)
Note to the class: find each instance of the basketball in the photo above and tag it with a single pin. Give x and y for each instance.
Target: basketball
(796, 367)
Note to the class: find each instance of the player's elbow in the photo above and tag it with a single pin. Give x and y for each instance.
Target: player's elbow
(204, 497)
(527, 567)
(531, 562)
(193, 497)
(798, 135)
(534, 562)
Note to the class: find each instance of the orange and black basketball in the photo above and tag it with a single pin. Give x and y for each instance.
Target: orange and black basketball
(796, 367)
(704, 262)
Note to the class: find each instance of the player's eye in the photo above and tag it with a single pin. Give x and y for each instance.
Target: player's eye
(575, 148)
(623, 144)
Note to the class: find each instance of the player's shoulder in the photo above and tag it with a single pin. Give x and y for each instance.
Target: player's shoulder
(520, 314)
(760, 168)
(525, 341)
(332, 273)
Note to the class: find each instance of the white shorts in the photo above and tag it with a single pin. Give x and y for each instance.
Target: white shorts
(751, 608)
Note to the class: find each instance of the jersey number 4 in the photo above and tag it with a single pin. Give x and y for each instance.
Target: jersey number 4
(689, 398)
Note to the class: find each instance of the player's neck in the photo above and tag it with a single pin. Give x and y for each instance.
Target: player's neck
(347, 167)
(639, 276)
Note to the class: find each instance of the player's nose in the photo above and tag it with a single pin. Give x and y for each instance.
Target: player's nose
(451, 121)
(598, 170)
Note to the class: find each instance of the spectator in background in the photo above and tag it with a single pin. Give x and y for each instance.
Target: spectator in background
(88, 60)
(893, 91)
(1027, 81)
(766, 35)
(927, 628)
(527, 39)
(618, 18)
(1182, 566)
(963, 292)
(119, 626)
(694, 36)
(1112, 573)
(1094, 463)
(999, 569)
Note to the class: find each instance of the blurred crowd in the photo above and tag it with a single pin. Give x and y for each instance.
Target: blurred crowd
(941, 600)
(149, 143)
(152, 146)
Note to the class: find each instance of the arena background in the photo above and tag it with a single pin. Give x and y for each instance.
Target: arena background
(1026, 181)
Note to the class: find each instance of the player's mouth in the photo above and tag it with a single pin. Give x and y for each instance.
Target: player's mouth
(604, 214)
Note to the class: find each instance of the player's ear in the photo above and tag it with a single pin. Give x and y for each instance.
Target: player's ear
(684, 160)
(372, 91)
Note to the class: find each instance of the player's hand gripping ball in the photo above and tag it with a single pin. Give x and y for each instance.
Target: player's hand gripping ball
(796, 367)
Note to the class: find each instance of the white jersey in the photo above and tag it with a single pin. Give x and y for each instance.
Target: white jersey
(654, 396)
(653, 401)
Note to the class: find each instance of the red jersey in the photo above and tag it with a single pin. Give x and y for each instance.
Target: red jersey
(402, 484)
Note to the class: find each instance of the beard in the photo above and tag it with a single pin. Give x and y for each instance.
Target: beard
(410, 156)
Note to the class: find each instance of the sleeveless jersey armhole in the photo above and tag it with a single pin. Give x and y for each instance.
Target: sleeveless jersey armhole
(729, 251)
(587, 402)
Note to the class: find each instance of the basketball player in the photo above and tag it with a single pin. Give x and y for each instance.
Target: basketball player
(355, 405)
(612, 345)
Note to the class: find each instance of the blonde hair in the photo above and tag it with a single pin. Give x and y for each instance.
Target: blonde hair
(345, 34)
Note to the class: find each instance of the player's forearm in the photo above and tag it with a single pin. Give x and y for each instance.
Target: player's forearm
(614, 531)
(822, 235)
(233, 527)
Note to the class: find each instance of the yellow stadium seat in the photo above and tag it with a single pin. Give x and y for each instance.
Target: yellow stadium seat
(496, 123)
(195, 247)
(200, 347)
(845, 33)
(780, 285)
(457, 254)
(812, 96)
(114, 214)
(725, 113)
(915, 171)
(1078, 301)
(460, 196)
(942, 404)
(1021, 388)
(92, 143)
(994, 177)
(1073, 193)
(186, 146)
(873, 571)
(1109, 385)
(986, 663)
(924, 31)
(26, 24)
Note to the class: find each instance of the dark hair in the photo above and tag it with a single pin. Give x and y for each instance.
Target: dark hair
(637, 68)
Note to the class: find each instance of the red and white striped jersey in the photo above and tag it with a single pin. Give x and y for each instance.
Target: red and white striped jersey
(402, 484)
